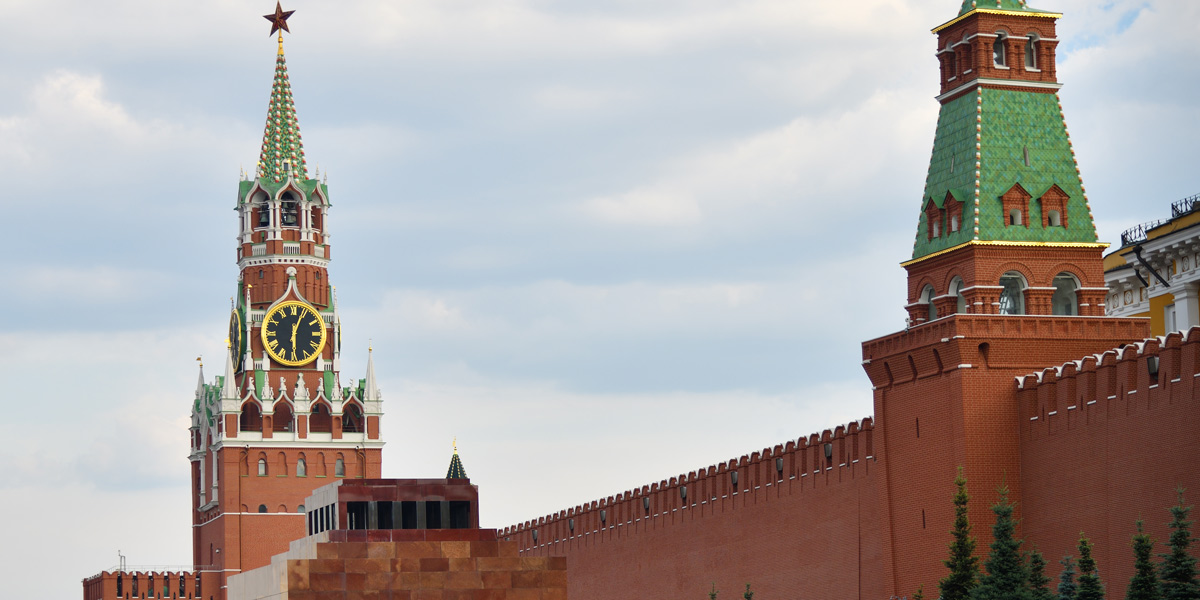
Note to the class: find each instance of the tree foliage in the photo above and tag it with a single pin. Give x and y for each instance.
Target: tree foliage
(713, 594)
(749, 595)
(1067, 588)
(1090, 586)
(1177, 577)
(1005, 577)
(1039, 582)
(1144, 584)
(962, 562)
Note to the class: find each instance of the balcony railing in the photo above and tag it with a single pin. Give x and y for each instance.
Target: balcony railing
(258, 250)
(1185, 206)
(291, 247)
(319, 251)
(1137, 235)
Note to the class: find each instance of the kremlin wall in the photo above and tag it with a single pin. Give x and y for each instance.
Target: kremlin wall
(1029, 360)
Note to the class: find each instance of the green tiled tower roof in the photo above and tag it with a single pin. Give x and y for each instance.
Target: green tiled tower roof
(456, 470)
(979, 153)
(281, 138)
(970, 5)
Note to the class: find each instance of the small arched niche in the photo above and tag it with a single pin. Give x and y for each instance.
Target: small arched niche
(927, 295)
(1000, 49)
(956, 288)
(1031, 52)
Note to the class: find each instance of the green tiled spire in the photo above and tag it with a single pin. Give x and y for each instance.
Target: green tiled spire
(456, 470)
(281, 144)
(979, 153)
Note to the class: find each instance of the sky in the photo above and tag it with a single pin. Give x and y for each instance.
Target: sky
(600, 243)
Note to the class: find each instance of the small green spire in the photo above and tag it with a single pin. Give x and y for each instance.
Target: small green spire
(456, 470)
(282, 150)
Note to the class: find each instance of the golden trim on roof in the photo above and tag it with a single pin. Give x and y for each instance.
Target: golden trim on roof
(996, 11)
(1100, 245)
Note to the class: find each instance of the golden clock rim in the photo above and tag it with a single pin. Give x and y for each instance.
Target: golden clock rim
(235, 317)
(262, 333)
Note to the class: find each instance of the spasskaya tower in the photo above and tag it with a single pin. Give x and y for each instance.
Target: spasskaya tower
(280, 422)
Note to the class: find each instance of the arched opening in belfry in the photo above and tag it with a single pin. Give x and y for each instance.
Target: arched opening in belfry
(321, 420)
(251, 418)
(352, 419)
(1065, 300)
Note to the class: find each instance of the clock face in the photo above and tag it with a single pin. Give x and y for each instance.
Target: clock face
(293, 333)
(235, 338)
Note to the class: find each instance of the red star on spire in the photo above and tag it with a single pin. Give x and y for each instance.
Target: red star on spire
(279, 19)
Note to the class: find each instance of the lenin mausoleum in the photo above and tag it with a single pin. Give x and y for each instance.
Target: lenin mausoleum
(1029, 359)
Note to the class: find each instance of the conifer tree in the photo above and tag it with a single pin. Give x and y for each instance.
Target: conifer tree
(1039, 582)
(1090, 586)
(920, 595)
(713, 594)
(1005, 577)
(749, 595)
(962, 562)
(1177, 577)
(1144, 584)
(1066, 581)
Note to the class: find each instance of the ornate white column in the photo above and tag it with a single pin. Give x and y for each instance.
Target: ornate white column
(1187, 306)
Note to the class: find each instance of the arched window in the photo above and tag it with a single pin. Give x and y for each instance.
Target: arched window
(956, 288)
(953, 223)
(322, 466)
(300, 509)
(1031, 51)
(262, 467)
(1012, 297)
(320, 421)
(352, 419)
(282, 421)
(301, 467)
(1014, 216)
(264, 214)
(288, 209)
(251, 419)
(1065, 301)
(262, 508)
(927, 299)
(999, 49)
(1053, 218)
(951, 61)
(281, 463)
(339, 467)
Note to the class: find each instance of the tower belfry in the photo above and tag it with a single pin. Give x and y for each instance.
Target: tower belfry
(280, 422)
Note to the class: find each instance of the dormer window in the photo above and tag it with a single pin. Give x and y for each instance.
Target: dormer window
(1031, 52)
(999, 50)
(1014, 216)
(1053, 219)
(953, 223)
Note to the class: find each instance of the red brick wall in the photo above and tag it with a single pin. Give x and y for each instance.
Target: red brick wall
(814, 529)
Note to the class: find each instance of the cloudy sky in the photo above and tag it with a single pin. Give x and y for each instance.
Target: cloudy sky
(601, 242)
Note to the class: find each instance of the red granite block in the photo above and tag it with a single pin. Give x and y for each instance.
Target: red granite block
(379, 581)
(488, 548)
(400, 594)
(508, 549)
(327, 582)
(405, 564)
(432, 580)
(427, 595)
(326, 565)
(456, 549)
(418, 550)
(463, 580)
(557, 563)
(554, 579)
(549, 594)
(330, 595)
(523, 594)
(379, 535)
(368, 565)
(498, 564)
(496, 580)
(405, 581)
(462, 564)
(356, 581)
(327, 551)
(381, 550)
(435, 564)
(527, 579)
(353, 550)
(534, 562)
(294, 594)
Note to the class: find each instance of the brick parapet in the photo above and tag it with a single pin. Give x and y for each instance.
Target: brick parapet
(843, 454)
(111, 585)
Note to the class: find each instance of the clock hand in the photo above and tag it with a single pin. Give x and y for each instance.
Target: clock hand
(294, 329)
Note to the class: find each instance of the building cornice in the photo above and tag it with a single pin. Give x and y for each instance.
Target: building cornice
(999, 83)
(995, 11)
(914, 261)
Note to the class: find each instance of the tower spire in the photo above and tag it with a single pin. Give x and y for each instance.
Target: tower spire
(371, 389)
(282, 155)
(228, 390)
(456, 470)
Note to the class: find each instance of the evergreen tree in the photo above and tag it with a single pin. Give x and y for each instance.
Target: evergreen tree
(713, 594)
(920, 595)
(1090, 586)
(1144, 585)
(1039, 583)
(749, 595)
(1006, 577)
(962, 562)
(1067, 589)
(1177, 575)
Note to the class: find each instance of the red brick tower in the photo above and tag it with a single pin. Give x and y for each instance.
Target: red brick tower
(279, 423)
(1006, 278)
